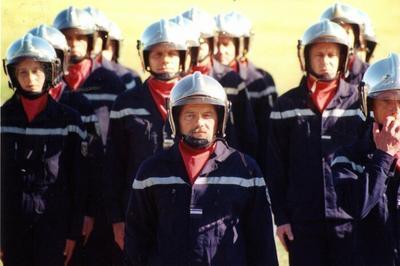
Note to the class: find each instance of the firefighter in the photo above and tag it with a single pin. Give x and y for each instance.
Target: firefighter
(200, 202)
(139, 126)
(367, 176)
(73, 99)
(241, 132)
(104, 42)
(352, 21)
(101, 86)
(260, 84)
(112, 53)
(42, 146)
(307, 125)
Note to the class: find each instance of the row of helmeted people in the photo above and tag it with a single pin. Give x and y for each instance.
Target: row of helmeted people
(125, 122)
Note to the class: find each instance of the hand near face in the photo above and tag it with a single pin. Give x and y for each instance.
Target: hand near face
(387, 138)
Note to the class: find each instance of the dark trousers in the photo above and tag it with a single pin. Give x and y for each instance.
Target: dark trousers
(323, 244)
(100, 249)
(38, 244)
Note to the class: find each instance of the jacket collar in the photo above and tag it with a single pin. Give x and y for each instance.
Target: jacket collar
(221, 153)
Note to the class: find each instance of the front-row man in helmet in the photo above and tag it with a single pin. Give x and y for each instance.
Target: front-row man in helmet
(200, 202)
(138, 125)
(367, 173)
(307, 125)
(41, 152)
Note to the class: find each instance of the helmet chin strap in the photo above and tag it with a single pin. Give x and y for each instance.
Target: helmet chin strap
(164, 76)
(30, 95)
(321, 77)
(195, 142)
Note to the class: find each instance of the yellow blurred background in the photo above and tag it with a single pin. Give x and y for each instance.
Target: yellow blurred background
(277, 25)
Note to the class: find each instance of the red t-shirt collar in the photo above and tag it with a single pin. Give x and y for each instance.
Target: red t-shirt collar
(33, 107)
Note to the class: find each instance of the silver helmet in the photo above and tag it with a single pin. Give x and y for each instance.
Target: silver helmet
(205, 23)
(197, 88)
(192, 33)
(381, 81)
(346, 14)
(37, 49)
(81, 20)
(59, 43)
(115, 32)
(115, 37)
(324, 31)
(383, 75)
(246, 28)
(230, 25)
(101, 22)
(75, 18)
(162, 31)
(203, 20)
(369, 36)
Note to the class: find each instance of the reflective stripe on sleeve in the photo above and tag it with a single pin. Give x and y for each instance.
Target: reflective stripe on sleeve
(345, 160)
(45, 131)
(130, 85)
(291, 113)
(128, 111)
(259, 94)
(344, 113)
(219, 180)
(231, 180)
(100, 97)
(154, 181)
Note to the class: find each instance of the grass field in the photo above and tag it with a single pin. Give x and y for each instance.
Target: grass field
(277, 26)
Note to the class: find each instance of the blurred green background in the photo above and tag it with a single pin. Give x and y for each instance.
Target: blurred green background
(277, 26)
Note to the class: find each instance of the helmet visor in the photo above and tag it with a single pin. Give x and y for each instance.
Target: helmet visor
(393, 94)
(199, 99)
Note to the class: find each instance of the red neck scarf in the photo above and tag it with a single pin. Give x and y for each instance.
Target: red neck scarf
(194, 159)
(204, 69)
(56, 91)
(350, 63)
(234, 66)
(78, 73)
(160, 91)
(33, 107)
(322, 92)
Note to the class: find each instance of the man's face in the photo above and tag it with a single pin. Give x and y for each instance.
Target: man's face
(164, 59)
(78, 44)
(324, 60)
(387, 104)
(30, 75)
(110, 50)
(226, 50)
(204, 50)
(198, 121)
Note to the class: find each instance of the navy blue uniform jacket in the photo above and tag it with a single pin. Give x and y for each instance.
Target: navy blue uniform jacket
(40, 169)
(137, 131)
(368, 191)
(301, 145)
(223, 219)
